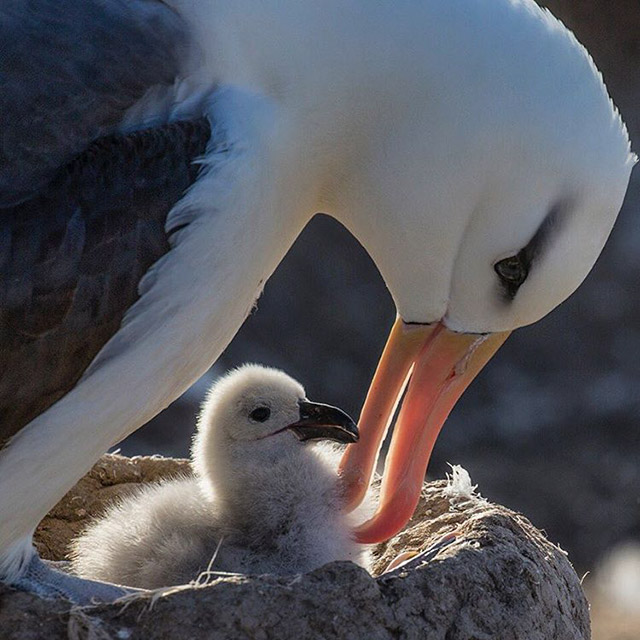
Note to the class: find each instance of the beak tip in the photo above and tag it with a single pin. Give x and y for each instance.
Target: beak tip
(324, 422)
(441, 364)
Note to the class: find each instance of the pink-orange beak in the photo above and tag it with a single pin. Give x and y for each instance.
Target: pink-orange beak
(441, 365)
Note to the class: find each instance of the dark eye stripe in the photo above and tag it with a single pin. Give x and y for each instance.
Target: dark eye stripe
(542, 237)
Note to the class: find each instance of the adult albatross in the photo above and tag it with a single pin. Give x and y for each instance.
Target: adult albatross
(158, 159)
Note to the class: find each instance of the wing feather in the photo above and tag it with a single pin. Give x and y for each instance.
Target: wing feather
(69, 70)
(72, 258)
(82, 207)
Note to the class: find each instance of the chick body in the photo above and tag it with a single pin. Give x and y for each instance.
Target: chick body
(261, 500)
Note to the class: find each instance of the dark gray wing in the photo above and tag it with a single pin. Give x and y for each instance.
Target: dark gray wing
(68, 71)
(82, 211)
(71, 259)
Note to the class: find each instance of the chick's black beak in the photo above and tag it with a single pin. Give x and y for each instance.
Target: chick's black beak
(324, 422)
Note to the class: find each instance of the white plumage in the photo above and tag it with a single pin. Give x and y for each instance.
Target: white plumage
(266, 501)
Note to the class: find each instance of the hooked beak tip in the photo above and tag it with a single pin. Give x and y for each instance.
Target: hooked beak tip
(324, 422)
(442, 364)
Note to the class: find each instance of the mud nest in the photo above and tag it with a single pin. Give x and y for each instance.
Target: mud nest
(499, 579)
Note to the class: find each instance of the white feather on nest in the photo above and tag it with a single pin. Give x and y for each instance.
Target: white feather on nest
(459, 484)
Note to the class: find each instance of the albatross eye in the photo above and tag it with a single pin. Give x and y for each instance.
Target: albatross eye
(261, 414)
(512, 271)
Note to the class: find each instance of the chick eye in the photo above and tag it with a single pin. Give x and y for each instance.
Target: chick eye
(511, 270)
(261, 414)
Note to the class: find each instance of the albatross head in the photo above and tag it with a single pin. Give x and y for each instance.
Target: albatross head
(258, 416)
(512, 211)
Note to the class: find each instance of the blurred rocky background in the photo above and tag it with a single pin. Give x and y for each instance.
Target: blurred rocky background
(552, 426)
